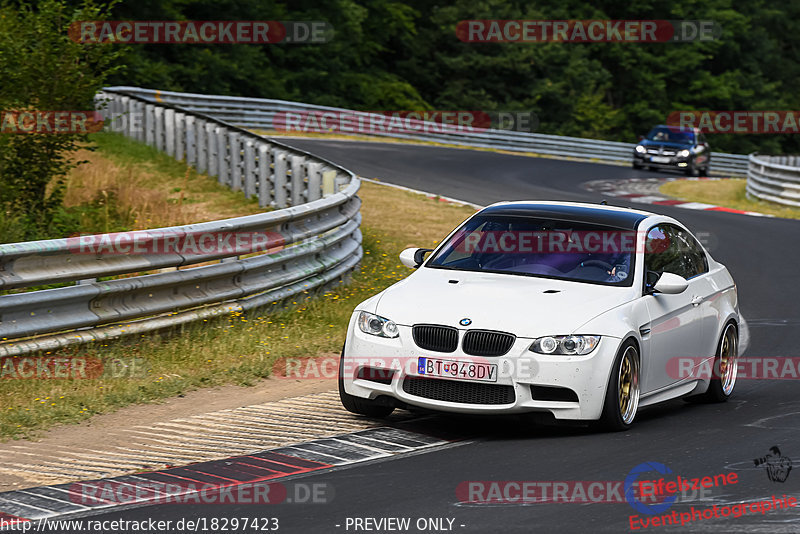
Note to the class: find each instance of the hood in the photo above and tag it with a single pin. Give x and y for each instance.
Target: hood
(523, 305)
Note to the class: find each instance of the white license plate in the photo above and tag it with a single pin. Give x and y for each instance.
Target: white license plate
(483, 372)
(659, 159)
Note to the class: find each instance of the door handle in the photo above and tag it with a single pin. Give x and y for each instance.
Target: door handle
(696, 300)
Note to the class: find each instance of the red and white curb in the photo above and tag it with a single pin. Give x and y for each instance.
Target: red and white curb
(221, 477)
(646, 191)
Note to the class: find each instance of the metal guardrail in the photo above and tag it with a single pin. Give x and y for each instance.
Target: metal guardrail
(774, 178)
(267, 114)
(311, 245)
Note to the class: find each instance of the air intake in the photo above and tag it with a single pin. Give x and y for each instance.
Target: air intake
(376, 374)
(461, 392)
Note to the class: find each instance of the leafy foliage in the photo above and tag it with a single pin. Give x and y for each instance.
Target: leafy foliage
(392, 55)
(43, 70)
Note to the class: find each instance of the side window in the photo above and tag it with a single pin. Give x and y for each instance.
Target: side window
(662, 253)
(673, 250)
(694, 252)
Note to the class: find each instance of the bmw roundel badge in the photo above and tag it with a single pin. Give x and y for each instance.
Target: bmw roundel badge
(465, 321)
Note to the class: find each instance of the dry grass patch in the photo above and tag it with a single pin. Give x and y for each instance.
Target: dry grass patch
(417, 219)
(136, 187)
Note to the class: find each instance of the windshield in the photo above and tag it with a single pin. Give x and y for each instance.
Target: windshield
(530, 246)
(671, 135)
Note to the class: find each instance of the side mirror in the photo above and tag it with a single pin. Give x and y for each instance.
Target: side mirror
(641, 138)
(670, 284)
(413, 257)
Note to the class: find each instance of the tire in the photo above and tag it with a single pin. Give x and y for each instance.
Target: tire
(652, 169)
(691, 170)
(637, 166)
(618, 413)
(357, 405)
(723, 378)
(704, 171)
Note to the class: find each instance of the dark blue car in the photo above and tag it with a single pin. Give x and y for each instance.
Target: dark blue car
(671, 147)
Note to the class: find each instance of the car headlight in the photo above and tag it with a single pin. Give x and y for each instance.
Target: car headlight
(684, 153)
(369, 323)
(640, 149)
(566, 345)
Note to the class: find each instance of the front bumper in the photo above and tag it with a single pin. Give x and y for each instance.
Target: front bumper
(673, 162)
(568, 387)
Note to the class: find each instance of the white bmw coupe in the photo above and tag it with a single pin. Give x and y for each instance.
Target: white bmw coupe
(576, 311)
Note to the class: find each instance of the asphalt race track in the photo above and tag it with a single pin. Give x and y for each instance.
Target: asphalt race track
(692, 440)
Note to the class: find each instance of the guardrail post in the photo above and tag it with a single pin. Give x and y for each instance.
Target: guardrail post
(341, 182)
(249, 169)
(222, 156)
(191, 147)
(235, 161)
(298, 180)
(169, 131)
(202, 145)
(263, 175)
(120, 121)
(211, 149)
(113, 108)
(149, 124)
(132, 123)
(328, 183)
(280, 167)
(180, 135)
(141, 122)
(314, 190)
(159, 128)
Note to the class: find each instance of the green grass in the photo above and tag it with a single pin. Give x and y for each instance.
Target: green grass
(729, 193)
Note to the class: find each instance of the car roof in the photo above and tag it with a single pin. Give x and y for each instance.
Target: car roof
(615, 216)
(691, 129)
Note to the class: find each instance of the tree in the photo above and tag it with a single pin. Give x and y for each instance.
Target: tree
(43, 70)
